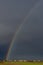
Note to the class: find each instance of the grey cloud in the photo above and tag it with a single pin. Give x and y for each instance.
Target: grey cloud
(12, 14)
(24, 49)
(5, 31)
(33, 27)
(16, 8)
(29, 41)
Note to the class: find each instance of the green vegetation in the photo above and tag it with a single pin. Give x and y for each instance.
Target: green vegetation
(21, 63)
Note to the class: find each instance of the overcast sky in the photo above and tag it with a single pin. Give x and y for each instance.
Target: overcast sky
(12, 14)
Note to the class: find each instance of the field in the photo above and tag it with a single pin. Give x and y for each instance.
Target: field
(21, 63)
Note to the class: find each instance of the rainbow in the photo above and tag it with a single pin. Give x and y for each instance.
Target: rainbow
(15, 35)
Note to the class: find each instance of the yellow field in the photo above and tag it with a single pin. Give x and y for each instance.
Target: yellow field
(21, 63)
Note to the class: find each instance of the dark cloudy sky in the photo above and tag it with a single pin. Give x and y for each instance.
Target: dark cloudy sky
(12, 14)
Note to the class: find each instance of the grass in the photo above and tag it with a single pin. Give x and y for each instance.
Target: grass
(21, 63)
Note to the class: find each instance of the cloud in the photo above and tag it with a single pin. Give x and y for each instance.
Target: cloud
(27, 48)
(29, 41)
(12, 15)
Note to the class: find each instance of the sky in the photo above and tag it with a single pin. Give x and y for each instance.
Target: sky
(12, 14)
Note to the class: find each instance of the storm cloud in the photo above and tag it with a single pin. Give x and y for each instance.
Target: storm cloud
(12, 14)
(29, 40)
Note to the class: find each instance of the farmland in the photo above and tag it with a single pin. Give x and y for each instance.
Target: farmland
(21, 63)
